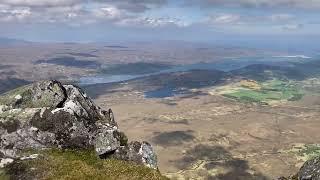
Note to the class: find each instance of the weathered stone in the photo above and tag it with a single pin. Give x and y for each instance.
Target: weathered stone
(310, 170)
(141, 153)
(149, 158)
(48, 114)
(106, 140)
(37, 95)
(5, 161)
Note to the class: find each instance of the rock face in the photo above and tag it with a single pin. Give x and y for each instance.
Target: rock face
(309, 171)
(49, 114)
(141, 153)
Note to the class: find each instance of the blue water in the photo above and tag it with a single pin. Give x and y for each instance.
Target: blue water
(160, 93)
(227, 64)
(100, 79)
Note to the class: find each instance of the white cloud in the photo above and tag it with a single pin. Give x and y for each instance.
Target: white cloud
(281, 17)
(128, 5)
(281, 22)
(280, 4)
(292, 27)
(80, 14)
(152, 22)
(225, 19)
(131, 13)
(40, 3)
(77, 12)
(109, 12)
(238, 19)
(16, 14)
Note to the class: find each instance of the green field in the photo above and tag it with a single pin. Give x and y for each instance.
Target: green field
(273, 90)
(305, 152)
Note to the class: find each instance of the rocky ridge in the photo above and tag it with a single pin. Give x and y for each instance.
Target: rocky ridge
(49, 114)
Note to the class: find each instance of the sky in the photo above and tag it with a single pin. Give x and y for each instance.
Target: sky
(147, 20)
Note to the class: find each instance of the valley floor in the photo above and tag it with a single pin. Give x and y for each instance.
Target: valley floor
(212, 136)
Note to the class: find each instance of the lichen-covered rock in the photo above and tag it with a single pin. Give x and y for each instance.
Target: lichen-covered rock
(49, 114)
(42, 94)
(309, 171)
(138, 152)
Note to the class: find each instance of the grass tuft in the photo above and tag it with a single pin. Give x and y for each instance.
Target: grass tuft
(77, 165)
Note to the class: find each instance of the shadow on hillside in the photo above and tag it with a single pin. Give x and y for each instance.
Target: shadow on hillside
(172, 138)
(5, 66)
(96, 90)
(11, 83)
(154, 120)
(69, 61)
(217, 157)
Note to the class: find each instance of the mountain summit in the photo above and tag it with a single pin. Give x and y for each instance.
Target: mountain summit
(45, 117)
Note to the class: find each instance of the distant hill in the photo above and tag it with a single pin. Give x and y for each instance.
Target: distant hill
(9, 41)
(135, 68)
(11, 83)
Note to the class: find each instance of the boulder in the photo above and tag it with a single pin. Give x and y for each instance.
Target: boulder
(137, 152)
(49, 114)
(309, 171)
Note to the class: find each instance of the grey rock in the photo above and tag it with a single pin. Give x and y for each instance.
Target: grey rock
(5, 161)
(41, 94)
(149, 158)
(310, 170)
(107, 140)
(141, 153)
(49, 114)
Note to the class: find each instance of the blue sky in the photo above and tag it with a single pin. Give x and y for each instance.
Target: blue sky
(147, 20)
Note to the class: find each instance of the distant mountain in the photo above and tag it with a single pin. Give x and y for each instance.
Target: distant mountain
(135, 68)
(9, 41)
(296, 71)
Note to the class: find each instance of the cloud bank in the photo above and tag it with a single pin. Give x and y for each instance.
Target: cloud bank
(170, 17)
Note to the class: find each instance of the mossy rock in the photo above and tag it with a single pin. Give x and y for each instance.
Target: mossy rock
(77, 165)
(37, 95)
(48, 114)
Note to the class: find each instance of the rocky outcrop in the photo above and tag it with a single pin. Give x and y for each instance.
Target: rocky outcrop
(138, 152)
(309, 171)
(49, 114)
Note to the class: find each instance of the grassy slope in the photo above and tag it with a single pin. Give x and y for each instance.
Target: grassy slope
(76, 165)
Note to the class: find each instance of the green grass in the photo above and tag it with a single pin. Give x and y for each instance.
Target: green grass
(310, 151)
(274, 90)
(9, 97)
(77, 165)
(305, 152)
